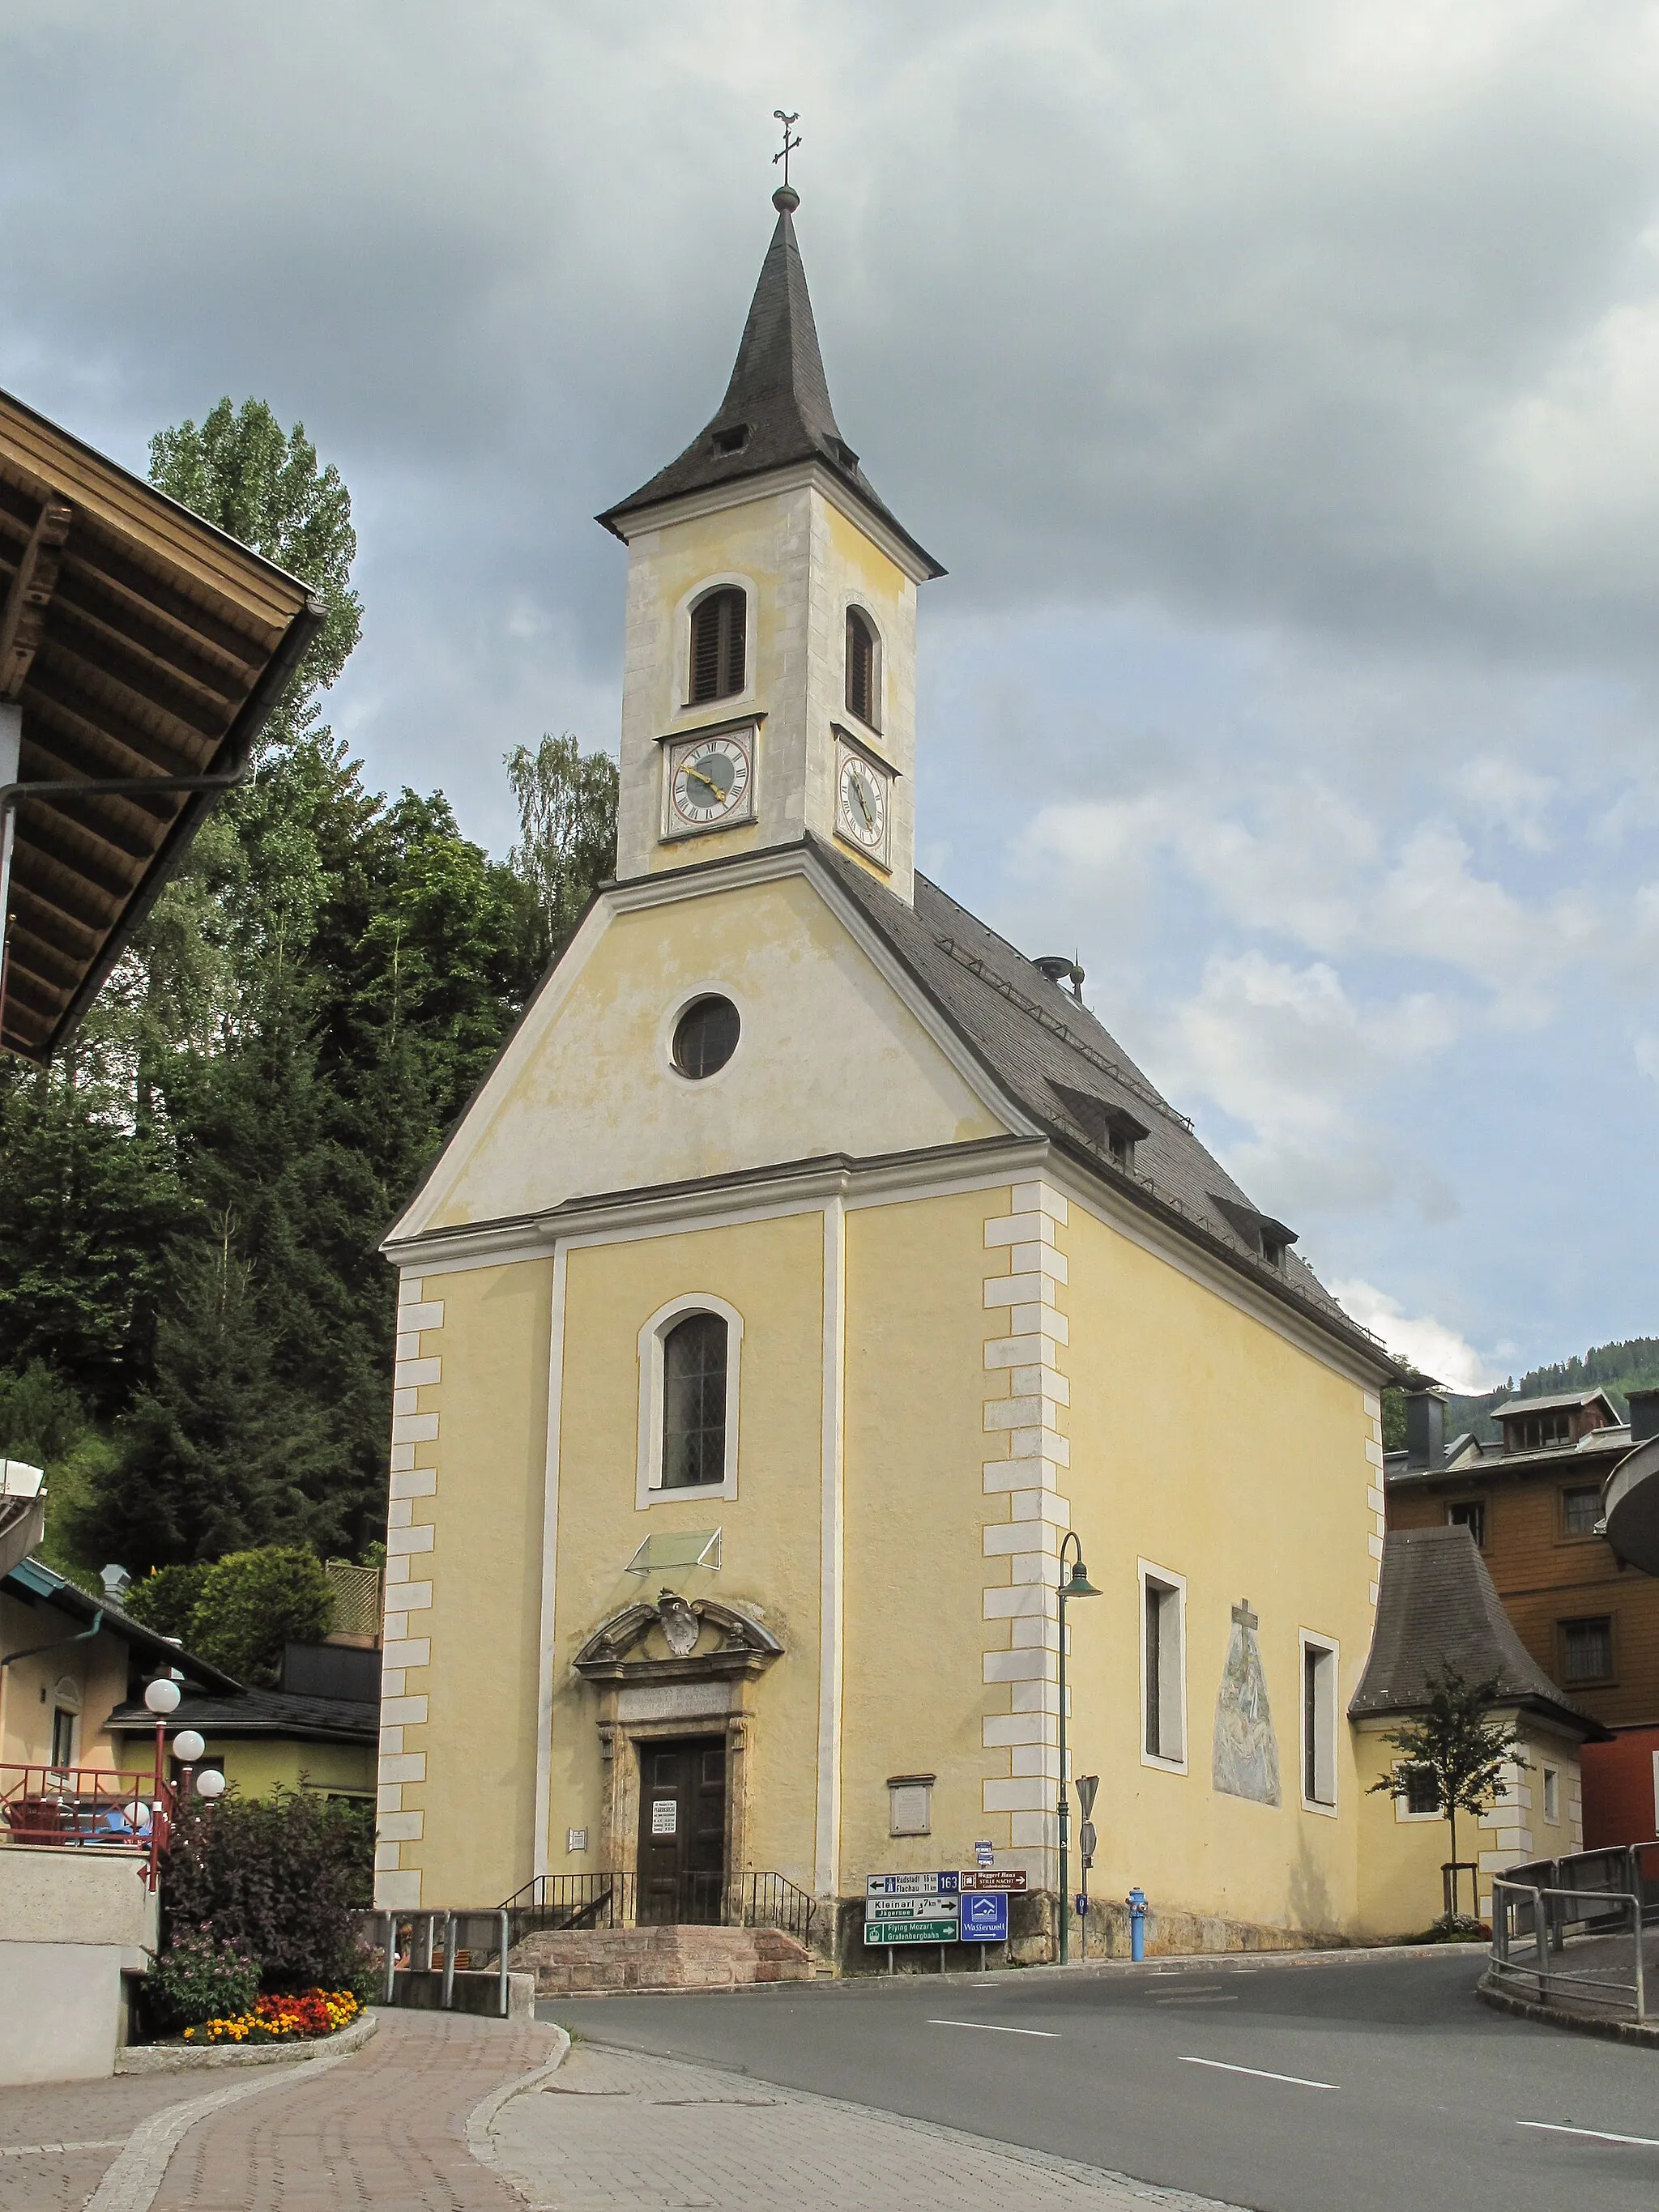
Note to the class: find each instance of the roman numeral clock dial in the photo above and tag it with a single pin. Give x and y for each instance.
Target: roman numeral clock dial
(862, 803)
(709, 780)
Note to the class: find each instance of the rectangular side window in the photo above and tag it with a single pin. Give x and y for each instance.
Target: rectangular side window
(1552, 1795)
(1163, 1667)
(1319, 1699)
(1587, 1650)
(1470, 1514)
(1581, 1511)
(1422, 1796)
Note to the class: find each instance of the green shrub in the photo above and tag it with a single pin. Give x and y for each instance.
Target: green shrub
(166, 1598)
(199, 1977)
(238, 1612)
(282, 1875)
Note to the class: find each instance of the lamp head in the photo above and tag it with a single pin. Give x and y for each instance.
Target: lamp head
(188, 1746)
(210, 1785)
(1079, 1585)
(162, 1697)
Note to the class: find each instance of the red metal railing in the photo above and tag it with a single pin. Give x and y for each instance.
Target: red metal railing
(87, 1808)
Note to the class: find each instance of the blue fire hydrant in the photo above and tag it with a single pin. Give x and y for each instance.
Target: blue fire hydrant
(1137, 1925)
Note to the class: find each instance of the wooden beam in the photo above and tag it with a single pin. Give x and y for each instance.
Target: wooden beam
(91, 739)
(40, 837)
(58, 970)
(24, 621)
(60, 904)
(26, 995)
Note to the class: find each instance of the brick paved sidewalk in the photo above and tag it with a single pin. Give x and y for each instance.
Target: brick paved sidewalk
(611, 2131)
(386, 2130)
(383, 2130)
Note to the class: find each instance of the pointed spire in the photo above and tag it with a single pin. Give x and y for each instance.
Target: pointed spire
(776, 412)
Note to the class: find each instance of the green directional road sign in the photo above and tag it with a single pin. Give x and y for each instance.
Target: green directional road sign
(910, 1931)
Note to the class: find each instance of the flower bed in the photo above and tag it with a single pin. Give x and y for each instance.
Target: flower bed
(282, 2018)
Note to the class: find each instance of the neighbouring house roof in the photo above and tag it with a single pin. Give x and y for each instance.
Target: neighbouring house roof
(139, 643)
(1556, 1403)
(1470, 1461)
(1436, 1606)
(37, 1584)
(262, 1713)
(776, 411)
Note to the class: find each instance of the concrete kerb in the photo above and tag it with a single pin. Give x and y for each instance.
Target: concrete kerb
(479, 2121)
(181, 2058)
(1644, 2032)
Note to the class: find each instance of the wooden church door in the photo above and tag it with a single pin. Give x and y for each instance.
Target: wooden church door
(682, 1856)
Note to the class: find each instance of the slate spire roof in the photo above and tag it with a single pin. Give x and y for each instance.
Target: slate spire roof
(1437, 1605)
(777, 411)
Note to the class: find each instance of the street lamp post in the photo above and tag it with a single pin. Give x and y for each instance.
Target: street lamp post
(1078, 1586)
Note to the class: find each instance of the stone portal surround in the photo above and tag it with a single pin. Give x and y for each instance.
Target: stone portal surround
(402, 1776)
(1025, 1272)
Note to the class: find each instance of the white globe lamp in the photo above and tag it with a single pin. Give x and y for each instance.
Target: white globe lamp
(188, 1746)
(162, 1697)
(210, 1785)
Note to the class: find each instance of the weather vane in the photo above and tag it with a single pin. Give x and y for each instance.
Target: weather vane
(789, 143)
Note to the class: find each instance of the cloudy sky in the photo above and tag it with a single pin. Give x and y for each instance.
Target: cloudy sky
(1277, 382)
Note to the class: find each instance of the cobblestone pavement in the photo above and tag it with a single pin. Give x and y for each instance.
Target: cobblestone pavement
(384, 2128)
(612, 2131)
(57, 2142)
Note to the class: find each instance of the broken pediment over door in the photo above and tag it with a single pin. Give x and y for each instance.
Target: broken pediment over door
(676, 1640)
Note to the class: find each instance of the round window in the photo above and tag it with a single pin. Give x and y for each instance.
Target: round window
(705, 1037)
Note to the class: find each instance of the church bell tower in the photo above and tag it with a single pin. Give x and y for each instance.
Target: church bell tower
(769, 686)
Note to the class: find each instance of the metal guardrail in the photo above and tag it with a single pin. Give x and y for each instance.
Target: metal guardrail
(1571, 1929)
(577, 1901)
(79, 1807)
(441, 1961)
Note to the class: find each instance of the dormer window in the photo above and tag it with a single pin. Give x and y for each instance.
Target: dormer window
(1107, 1126)
(863, 687)
(732, 439)
(718, 646)
(1540, 1431)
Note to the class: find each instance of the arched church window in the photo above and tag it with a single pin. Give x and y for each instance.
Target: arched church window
(718, 625)
(694, 1402)
(862, 686)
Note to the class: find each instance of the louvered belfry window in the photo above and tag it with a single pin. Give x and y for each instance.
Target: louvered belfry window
(860, 669)
(717, 646)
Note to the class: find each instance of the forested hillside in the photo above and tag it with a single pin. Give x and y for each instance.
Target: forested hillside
(195, 1323)
(1614, 1368)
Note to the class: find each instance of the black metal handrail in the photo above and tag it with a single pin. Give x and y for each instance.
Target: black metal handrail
(578, 1901)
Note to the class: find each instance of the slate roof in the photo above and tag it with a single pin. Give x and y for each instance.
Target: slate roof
(32, 1578)
(777, 402)
(1055, 1058)
(1467, 1459)
(1561, 1398)
(262, 1712)
(1436, 1606)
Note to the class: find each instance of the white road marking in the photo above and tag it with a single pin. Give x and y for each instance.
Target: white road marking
(1260, 2073)
(990, 2028)
(1601, 2135)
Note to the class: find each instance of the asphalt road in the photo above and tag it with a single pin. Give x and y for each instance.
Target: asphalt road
(1334, 2085)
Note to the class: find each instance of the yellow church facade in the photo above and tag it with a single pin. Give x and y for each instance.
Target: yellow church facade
(809, 1265)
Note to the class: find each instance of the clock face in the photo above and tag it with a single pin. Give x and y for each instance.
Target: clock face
(862, 803)
(710, 780)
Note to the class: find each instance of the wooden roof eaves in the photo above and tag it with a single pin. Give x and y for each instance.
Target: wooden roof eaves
(231, 753)
(155, 527)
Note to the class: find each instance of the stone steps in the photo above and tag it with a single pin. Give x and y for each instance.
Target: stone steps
(597, 1961)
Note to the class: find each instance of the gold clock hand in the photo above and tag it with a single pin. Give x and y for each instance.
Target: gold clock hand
(864, 805)
(698, 775)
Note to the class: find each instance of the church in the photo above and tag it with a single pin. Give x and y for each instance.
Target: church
(812, 1275)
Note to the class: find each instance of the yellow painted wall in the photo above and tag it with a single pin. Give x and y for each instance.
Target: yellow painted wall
(586, 1100)
(1206, 1443)
(483, 1622)
(772, 1273)
(258, 1765)
(915, 1511)
(98, 1667)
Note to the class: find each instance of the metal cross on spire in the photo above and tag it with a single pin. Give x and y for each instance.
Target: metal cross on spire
(789, 143)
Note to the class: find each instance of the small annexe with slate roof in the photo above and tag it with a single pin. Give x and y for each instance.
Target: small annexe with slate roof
(1439, 1608)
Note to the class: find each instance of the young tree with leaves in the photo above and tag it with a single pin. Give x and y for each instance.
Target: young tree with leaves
(1454, 1747)
(567, 829)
